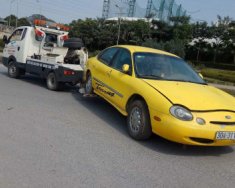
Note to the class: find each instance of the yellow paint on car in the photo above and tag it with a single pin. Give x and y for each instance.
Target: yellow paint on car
(204, 101)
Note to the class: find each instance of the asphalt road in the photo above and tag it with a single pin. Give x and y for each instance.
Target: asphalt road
(62, 140)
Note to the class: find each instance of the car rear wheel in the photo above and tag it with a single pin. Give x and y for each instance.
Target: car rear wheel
(138, 121)
(52, 82)
(88, 84)
(13, 70)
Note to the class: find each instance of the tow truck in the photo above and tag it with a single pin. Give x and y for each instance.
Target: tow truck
(47, 52)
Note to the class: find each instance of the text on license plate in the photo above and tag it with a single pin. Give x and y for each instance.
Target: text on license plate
(225, 136)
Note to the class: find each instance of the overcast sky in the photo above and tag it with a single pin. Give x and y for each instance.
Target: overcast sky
(66, 10)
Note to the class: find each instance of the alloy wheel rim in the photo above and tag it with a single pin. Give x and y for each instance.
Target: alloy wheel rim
(135, 119)
(12, 70)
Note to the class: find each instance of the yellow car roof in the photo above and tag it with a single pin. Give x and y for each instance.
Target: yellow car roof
(134, 49)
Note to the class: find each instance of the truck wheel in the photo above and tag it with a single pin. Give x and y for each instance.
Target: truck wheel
(52, 83)
(88, 85)
(13, 70)
(138, 121)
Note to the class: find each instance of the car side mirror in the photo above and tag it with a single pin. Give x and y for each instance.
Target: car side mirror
(126, 68)
(5, 39)
(201, 75)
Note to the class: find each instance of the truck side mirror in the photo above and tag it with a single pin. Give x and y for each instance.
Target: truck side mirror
(5, 39)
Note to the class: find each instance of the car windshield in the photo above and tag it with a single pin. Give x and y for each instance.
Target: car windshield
(164, 67)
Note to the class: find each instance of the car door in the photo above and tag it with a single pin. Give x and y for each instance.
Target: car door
(15, 45)
(120, 82)
(101, 72)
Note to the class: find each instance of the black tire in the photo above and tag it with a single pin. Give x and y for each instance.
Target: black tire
(73, 43)
(138, 121)
(13, 70)
(52, 83)
(88, 84)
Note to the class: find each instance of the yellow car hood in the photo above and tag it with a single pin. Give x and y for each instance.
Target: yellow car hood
(196, 97)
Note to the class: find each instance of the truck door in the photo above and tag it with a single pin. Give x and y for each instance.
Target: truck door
(15, 46)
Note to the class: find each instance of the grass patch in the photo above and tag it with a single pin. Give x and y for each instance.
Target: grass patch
(231, 92)
(223, 75)
(220, 82)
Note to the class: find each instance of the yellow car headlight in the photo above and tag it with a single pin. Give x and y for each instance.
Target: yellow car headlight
(181, 113)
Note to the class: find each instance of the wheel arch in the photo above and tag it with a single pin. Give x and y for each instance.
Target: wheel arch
(88, 71)
(11, 58)
(133, 98)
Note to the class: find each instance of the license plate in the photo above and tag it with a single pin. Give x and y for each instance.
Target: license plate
(225, 136)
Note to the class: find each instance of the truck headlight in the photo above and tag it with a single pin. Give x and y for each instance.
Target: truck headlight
(181, 113)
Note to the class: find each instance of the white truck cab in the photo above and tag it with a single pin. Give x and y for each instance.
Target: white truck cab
(45, 52)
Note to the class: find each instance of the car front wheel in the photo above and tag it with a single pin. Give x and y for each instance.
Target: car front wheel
(138, 121)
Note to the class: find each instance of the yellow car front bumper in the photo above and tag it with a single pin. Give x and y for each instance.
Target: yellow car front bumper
(190, 132)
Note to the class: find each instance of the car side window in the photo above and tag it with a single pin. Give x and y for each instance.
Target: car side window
(107, 56)
(123, 57)
(16, 36)
(24, 34)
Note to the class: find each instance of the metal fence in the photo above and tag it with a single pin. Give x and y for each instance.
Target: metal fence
(157, 9)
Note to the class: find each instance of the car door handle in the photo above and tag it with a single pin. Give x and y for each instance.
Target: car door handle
(109, 73)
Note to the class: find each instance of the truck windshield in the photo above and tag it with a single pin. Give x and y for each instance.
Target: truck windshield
(164, 67)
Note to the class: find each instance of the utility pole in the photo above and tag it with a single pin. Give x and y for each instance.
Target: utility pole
(40, 9)
(119, 22)
(106, 7)
(17, 12)
(9, 21)
(12, 1)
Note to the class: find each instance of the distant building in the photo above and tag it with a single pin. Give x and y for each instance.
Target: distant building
(2, 21)
(129, 19)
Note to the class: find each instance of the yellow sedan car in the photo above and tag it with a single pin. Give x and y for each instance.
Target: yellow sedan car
(160, 93)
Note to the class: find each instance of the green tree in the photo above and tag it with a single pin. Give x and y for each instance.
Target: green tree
(161, 31)
(232, 35)
(23, 22)
(182, 29)
(134, 32)
(221, 35)
(11, 20)
(20, 21)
